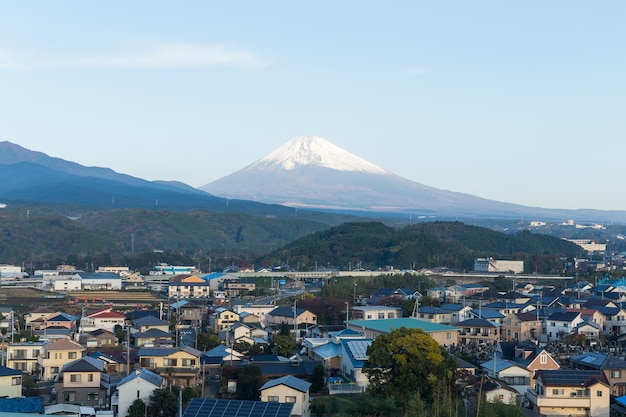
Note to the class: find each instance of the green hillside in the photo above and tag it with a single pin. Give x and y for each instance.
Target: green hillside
(452, 244)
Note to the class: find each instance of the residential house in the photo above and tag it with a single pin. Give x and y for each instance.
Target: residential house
(570, 393)
(139, 384)
(34, 319)
(375, 312)
(460, 292)
(444, 335)
(460, 312)
(589, 330)
(57, 354)
(515, 375)
(614, 321)
(528, 355)
(222, 320)
(105, 319)
(154, 337)
(478, 331)
(178, 365)
(238, 287)
(353, 357)
(496, 390)
(24, 356)
(290, 390)
(188, 286)
(260, 311)
(10, 382)
(149, 322)
(434, 315)
(99, 338)
(490, 314)
(84, 382)
(520, 327)
(614, 369)
(286, 315)
(560, 325)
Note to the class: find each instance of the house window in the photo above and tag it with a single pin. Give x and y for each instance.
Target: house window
(556, 391)
(69, 397)
(272, 399)
(75, 378)
(290, 399)
(71, 355)
(17, 380)
(54, 370)
(90, 377)
(599, 393)
(169, 362)
(543, 359)
(92, 396)
(616, 373)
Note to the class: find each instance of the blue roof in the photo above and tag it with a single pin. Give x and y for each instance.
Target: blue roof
(290, 381)
(209, 277)
(21, 405)
(327, 351)
(4, 371)
(146, 375)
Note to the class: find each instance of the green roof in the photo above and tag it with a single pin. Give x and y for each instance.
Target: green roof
(388, 325)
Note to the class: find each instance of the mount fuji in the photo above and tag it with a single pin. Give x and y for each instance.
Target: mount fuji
(311, 172)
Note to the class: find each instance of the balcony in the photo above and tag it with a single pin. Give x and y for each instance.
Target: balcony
(559, 401)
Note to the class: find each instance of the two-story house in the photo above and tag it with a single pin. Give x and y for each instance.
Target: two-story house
(614, 369)
(188, 286)
(478, 331)
(288, 389)
(178, 365)
(105, 319)
(139, 384)
(222, 320)
(434, 315)
(560, 325)
(375, 312)
(83, 382)
(521, 327)
(570, 393)
(57, 354)
(24, 356)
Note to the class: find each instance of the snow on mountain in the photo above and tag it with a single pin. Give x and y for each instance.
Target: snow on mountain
(313, 150)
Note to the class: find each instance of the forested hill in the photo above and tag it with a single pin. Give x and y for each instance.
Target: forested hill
(425, 245)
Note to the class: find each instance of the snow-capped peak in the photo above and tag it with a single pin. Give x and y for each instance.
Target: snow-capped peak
(313, 150)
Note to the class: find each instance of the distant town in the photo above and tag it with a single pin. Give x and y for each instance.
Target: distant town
(114, 342)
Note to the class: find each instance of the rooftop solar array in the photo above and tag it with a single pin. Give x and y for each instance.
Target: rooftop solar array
(358, 349)
(209, 407)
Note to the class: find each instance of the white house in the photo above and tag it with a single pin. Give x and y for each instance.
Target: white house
(105, 319)
(10, 382)
(140, 384)
(561, 325)
(288, 389)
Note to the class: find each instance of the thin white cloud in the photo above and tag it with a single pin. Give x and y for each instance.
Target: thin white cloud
(177, 55)
(416, 70)
(146, 55)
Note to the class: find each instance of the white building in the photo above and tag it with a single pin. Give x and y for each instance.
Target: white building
(140, 384)
(288, 389)
(494, 265)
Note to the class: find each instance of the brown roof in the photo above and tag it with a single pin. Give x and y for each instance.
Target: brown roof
(63, 344)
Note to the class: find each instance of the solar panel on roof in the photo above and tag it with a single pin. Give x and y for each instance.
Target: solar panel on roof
(207, 407)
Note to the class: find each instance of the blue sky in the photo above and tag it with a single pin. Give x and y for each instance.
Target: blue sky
(518, 102)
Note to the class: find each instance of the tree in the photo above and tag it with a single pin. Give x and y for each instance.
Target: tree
(137, 408)
(162, 400)
(404, 363)
(242, 346)
(207, 341)
(284, 345)
(317, 379)
(248, 383)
